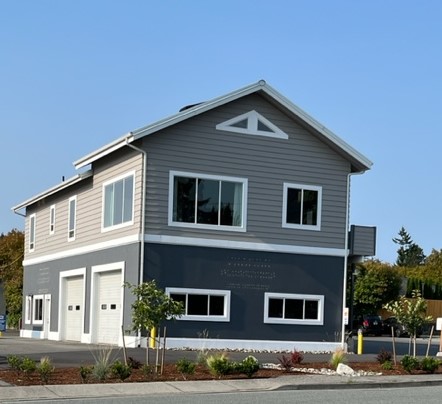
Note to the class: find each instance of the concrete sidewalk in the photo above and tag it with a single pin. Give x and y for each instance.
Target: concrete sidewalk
(296, 382)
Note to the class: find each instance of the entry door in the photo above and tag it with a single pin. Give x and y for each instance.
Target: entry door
(73, 308)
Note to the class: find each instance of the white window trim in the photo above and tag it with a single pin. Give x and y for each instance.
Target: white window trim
(28, 309)
(187, 174)
(186, 317)
(32, 231)
(72, 198)
(52, 222)
(105, 184)
(272, 320)
(252, 118)
(34, 301)
(301, 226)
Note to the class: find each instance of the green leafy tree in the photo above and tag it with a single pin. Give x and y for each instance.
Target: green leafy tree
(151, 307)
(411, 314)
(409, 253)
(376, 284)
(11, 274)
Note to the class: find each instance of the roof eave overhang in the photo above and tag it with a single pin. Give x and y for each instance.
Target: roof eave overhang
(57, 188)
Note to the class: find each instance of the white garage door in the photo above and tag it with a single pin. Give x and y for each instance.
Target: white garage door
(109, 285)
(73, 308)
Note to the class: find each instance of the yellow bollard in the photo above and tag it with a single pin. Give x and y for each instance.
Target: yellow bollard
(153, 336)
(360, 342)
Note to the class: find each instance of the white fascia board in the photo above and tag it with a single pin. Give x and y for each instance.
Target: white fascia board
(65, 184)
(103, 151)
(364, 161)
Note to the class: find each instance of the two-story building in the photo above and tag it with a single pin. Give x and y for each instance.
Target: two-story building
(238, 207)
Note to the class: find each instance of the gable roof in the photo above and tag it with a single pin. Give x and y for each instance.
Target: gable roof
(359, 162)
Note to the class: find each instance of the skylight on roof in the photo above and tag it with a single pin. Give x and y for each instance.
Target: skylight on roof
(252, 123)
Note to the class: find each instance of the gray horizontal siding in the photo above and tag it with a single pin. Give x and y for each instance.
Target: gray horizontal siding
(196, 146)
(89, 209)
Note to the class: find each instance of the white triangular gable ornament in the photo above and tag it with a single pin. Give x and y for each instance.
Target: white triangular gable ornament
(252, 123)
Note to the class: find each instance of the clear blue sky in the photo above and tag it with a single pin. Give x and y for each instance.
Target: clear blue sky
(75, 75)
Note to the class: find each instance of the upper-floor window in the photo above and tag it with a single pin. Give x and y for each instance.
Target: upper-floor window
(118, 202)
(52, 219)
(302, 206)
(202, 304)
(283, 308)
(72, 217)
(207, 201)
(32, 220)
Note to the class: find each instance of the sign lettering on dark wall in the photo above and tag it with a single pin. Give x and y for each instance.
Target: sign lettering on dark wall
(248, 273)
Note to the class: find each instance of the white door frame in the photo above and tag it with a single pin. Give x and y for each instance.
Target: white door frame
(46, 316)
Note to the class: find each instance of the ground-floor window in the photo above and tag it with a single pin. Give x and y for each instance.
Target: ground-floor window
(37, 312)
(202, 304)
(283, 308)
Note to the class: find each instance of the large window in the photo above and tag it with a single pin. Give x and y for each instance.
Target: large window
(72, 217)
(207, 201)
(118, 202)
(280, 308)
(32, 220)
(302, 206)
(202, 304)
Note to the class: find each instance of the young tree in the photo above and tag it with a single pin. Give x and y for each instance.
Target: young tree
(376, 284)
(409, 253)
(411, 314)
(11, 274)
(151, 307)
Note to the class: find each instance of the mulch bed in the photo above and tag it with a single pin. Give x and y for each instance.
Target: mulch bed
(72, 375)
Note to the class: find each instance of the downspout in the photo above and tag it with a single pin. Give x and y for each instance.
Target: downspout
(346, 253)
(143, 210)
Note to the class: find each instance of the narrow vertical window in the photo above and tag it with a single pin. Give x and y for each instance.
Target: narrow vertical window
(32, 232)
(72, 217)
(37, 312)
(52, 219)
(28, 309)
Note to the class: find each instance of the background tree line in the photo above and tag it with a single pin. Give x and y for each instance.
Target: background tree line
(377, 283)
(11, 274)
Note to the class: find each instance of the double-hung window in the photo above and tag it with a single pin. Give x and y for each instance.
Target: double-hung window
(52, 219)
(302, 206)
(72, 218)
(32, 220)
(202, 304)
(283, 308)
(207, 201)
(118, 202)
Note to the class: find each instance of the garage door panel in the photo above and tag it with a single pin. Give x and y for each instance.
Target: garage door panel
(73, 308)
(109, 307)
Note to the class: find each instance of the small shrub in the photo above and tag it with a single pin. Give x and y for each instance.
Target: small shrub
(148, 371)
(337, 358)
(121, 370)
(384, 356)
(28, 366)
(409, 363)
(219, 365)
(85, 373)
(249, 366)
(286, 362)
(133, 363)
(102, 364)
(296, 357)
(15, 362)
(185, 366)
(387, 365)
(429, 364)
(45, 369)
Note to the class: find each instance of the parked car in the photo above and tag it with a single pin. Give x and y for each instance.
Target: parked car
(369, 324)
(398, 328)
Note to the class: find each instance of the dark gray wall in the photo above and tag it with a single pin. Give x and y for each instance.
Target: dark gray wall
(45, 278)
(248, 274)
